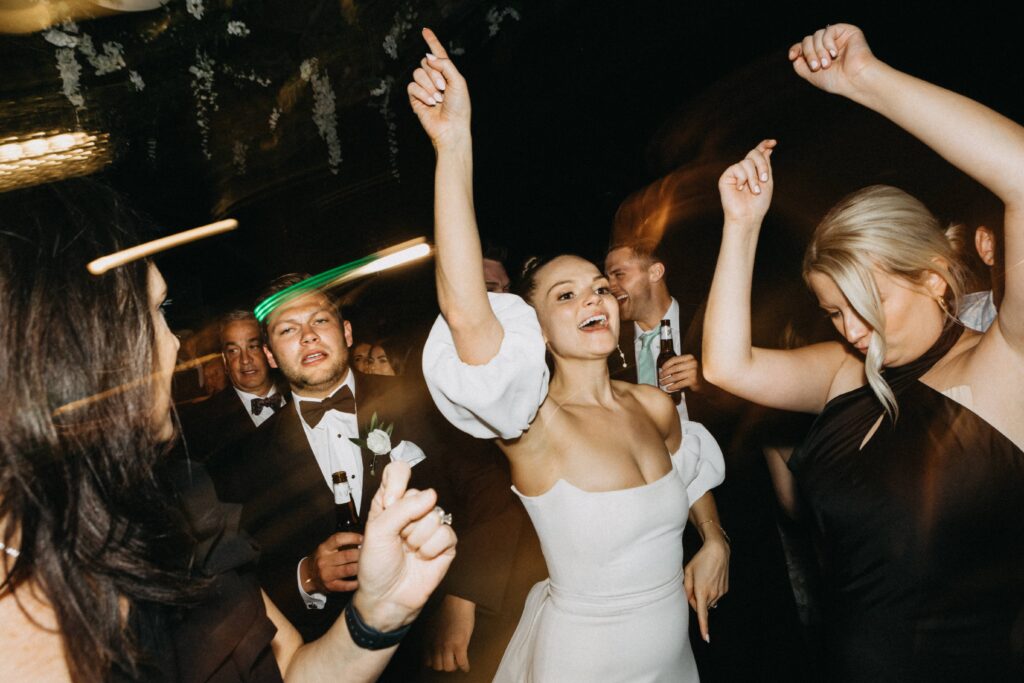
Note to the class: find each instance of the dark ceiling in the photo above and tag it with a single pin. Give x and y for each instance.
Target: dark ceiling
(221, 109)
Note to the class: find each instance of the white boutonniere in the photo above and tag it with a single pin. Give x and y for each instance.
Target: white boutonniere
(377, 441)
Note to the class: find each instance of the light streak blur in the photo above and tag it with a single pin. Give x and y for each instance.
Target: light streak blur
(395, 256)
(119, 258)
(45, 157)
(113, 391)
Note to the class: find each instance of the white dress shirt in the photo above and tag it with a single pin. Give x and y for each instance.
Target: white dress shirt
(329, 441)
(672, 315)
(330, 444)
(246, 398)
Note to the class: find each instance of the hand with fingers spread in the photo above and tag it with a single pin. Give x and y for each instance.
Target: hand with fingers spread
(746, 187)
(332, 568)
(406, 552)
(439, 96)
(832, 58)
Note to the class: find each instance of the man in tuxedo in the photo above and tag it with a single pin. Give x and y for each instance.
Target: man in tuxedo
(636, 275)
(213, 428)
(288, 505)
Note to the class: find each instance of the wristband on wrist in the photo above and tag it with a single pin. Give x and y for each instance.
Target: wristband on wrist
(368, 637)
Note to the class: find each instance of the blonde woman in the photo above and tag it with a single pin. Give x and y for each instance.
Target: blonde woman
(913, 470)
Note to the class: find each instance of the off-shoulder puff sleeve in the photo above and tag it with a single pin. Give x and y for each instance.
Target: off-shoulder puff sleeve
(699, 460)
(499, 399)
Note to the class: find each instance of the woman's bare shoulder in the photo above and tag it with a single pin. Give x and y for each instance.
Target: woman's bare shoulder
(31, 647)
(655, 402)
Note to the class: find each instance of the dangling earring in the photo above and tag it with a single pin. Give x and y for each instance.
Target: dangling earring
(621, 355)
(942, 304)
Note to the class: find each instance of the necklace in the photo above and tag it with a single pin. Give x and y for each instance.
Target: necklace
(13, 552)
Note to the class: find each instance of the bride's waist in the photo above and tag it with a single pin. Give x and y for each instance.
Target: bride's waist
(588, 603)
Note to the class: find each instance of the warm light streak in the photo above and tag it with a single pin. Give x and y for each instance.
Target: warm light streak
(119, 258)
(113, 391)
(48, 156)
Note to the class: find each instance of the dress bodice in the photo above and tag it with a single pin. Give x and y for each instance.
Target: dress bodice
(611, 544)
(922, 534)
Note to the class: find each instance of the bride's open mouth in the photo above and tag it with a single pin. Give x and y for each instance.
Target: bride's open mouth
(594, 322)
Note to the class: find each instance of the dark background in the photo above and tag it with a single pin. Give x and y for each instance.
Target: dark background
(577, 107)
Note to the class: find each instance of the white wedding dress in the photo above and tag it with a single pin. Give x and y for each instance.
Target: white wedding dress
(613, 608)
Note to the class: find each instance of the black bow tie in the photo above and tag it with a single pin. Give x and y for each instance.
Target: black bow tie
(313, 411)
(258, 404)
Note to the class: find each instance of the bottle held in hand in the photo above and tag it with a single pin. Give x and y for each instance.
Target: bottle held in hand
(346, 517)
(668, 352)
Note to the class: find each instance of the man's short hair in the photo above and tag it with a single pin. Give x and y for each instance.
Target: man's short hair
(495, 252)
(281, 283)
(234, 316)
(648, 251)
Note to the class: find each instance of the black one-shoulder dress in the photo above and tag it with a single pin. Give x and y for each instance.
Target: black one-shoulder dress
(922, 535)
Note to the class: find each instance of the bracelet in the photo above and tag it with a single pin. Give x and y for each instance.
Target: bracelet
(724, 535)
(368, 637)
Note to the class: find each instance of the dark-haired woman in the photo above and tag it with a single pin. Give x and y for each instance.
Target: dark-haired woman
(605, 469)
(913, 470)
(117, 563)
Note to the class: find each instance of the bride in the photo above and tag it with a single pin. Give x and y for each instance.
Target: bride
(590, 457)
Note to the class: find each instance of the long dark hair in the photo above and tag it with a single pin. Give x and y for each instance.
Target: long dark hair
(78, 495)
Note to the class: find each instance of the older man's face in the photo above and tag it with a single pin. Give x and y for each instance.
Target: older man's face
(242, 348)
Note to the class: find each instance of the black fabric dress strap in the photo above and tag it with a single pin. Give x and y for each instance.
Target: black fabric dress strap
(847, 418)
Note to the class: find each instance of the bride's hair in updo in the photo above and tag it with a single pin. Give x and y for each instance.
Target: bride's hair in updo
(527, 282)
(881, 227)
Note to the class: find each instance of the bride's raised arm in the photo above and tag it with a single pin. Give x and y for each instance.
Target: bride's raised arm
(984, 144)
(484, 362)
(440, 99)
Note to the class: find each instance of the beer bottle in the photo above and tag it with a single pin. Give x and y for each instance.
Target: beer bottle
(346, 517)
(667, 352)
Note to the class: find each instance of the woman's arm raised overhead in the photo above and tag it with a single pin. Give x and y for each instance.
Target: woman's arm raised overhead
(984, 144)
(791, 380)
(440, 99)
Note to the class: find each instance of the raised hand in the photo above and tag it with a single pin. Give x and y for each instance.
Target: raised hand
(406, 552)
(746, 187)
(439, 96)
(832, 58)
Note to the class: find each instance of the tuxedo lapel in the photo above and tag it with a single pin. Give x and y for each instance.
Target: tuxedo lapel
(367, 392)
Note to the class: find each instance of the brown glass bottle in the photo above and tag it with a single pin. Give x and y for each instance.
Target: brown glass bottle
(346, 517)
(668, 352)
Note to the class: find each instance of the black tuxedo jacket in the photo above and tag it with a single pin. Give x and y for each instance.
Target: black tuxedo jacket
(215, 432)
(289, 509)
(218, 422)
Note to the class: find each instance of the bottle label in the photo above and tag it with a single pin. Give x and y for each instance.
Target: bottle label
(666, 330)
(342, 494)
